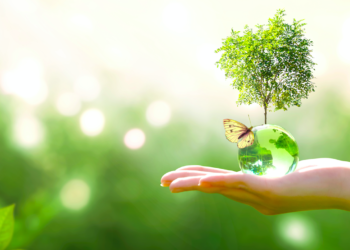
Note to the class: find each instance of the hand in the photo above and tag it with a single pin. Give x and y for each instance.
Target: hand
(316, 184)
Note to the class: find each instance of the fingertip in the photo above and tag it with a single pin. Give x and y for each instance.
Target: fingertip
(174, 184)
(165, 177)
(165, 183)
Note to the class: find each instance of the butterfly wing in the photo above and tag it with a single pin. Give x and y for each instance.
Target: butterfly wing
(247, 140)
(234, 129)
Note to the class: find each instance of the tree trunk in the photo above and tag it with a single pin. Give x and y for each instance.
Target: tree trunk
(265, 107)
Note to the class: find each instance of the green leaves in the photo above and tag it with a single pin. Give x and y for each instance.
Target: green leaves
(6, 226)
(270, 66)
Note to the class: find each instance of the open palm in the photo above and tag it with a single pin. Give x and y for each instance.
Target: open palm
(316, 184)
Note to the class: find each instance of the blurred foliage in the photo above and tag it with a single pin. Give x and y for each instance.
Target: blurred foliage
(137, 57)
(6, 226)
(127, 208)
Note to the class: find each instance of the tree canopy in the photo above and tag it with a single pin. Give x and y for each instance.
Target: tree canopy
(272, 66)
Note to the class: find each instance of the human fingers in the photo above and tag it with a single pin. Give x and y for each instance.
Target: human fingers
(236, 194)
(168, 178)
(253, 184)
(189, 184)
(321, 162)
(205, 169)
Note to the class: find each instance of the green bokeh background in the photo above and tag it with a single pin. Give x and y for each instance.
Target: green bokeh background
(158, 59)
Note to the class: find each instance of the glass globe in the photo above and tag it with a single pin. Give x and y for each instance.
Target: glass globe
(273, 153)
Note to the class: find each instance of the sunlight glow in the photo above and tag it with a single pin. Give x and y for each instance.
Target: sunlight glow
(75, 194)
(346, 29)
(158, 113)
(343, 47)
(134, 138)
(28, 131)
(92, 122)
(68, 104)
(251, 106)
(321, 61)
(82, 22)
(23, 6)
(220, 76)
(87, 87)
(175, 17)
(26, 81)
(118, 58)
(207, 57)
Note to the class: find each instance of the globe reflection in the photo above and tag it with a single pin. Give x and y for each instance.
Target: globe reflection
(273, 153)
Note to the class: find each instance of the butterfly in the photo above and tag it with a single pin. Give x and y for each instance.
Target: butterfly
(238, 132)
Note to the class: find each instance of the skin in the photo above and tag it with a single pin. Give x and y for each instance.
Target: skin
(316, 184)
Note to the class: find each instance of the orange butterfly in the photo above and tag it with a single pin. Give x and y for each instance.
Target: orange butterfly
(238, 132)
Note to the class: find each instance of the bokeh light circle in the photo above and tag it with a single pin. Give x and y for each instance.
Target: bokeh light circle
(68, 104)
(26, 81)
(134, 138)
(344, 50)
(158, 113)
(28, 131)
(297, 231)
(75, 194)
(92, 122)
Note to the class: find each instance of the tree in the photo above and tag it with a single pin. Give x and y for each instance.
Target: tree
(272, 66)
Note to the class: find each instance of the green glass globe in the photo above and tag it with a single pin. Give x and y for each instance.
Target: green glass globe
(273, 153)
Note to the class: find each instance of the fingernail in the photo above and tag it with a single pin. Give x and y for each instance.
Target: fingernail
(205, 184)
(176, 190)
(165, 183)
